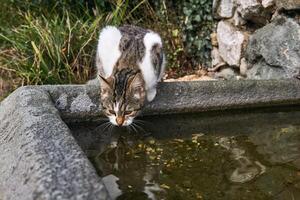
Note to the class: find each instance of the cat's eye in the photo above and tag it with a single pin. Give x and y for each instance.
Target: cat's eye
(127, 112)
(112, 112)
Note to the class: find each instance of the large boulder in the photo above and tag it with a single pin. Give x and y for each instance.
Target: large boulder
(261, 70)
(230, 43)
(274, 50)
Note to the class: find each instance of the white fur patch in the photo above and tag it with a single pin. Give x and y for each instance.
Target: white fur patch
(128, 121)
(151, 93)
(116, 107)
(112, 120)
(146, 65)
(108, 49)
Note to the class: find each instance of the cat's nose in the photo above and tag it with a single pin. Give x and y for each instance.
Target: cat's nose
(120, 120)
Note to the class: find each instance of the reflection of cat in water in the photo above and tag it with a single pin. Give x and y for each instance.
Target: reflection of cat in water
(138, 181)
(247, 169)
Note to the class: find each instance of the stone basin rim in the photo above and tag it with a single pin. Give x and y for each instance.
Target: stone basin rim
(33, 126)
(182, 97)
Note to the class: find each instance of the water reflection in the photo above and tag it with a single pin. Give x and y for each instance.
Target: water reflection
(247, 168)
(215, 156)
(279, 145)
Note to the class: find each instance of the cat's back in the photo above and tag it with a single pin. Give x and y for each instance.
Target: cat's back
(133, 31)
(132, 45)
(132, 48)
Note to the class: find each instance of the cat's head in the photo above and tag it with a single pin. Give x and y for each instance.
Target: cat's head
(122, 99)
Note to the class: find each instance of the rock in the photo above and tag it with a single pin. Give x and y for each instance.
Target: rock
(230, 43)
(237, 20)
(252, 10)
(261, 70)
(224, 8)
(227, 74)
(288, 4)
(216, 58)
(274, 50)
(248, 8)
(267, 3)
(213, 39)
(243, 67)
(82, 103)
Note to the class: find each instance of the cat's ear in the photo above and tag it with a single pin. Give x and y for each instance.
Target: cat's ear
(106, 85)
(105, 82)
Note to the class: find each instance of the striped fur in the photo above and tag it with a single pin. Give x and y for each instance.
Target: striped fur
(130, 62)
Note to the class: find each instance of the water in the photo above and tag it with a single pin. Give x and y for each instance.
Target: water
(248, 154)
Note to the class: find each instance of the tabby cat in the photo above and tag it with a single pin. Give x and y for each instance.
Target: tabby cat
(130, 61)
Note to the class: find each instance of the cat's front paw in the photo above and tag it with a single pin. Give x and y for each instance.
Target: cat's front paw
(151, 94)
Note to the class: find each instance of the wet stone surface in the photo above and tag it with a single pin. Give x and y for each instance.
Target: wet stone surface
(216, 155)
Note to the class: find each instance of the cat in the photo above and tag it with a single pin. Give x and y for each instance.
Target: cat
(130, 62)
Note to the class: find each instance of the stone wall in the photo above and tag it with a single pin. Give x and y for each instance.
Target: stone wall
(256, 39)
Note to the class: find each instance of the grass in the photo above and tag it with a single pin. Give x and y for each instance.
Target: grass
(56, 47)
(52, 48)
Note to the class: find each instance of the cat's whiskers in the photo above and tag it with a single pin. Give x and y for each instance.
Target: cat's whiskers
(111, 128)
(128, 128)
(133, 128)
(107, 126)
(138, 127)
(101, 125)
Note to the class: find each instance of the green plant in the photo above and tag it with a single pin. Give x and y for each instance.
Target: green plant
(48, 51)
(188, 25)
(198, 25)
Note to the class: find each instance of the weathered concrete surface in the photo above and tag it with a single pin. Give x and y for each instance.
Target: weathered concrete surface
(220, 95)
(39, 158)
(184, 97)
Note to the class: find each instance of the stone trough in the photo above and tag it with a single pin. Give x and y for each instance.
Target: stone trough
(40, 158)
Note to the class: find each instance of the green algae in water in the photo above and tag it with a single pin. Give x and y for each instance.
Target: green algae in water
(256, 166)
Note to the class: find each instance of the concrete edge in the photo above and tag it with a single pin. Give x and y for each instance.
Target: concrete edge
(81, 102)
(39, 157)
